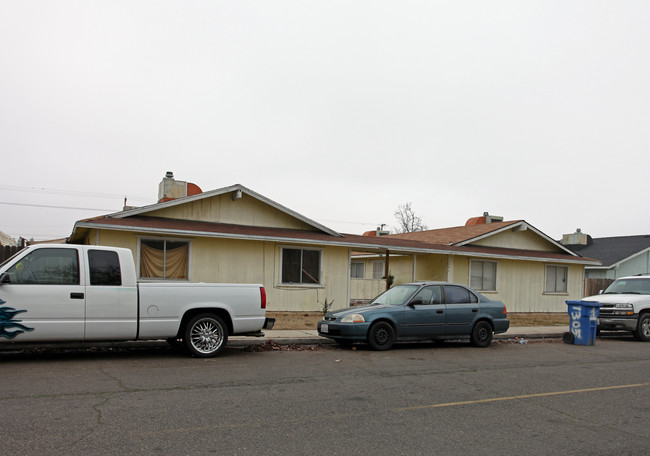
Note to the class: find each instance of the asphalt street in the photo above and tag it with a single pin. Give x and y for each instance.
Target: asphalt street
(542, 398)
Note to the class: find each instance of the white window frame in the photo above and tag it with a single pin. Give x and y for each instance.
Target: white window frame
(170, 239)
(555, 268)
(300, 284)
(483, 263)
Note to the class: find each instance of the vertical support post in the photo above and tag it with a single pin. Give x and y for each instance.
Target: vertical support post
(387, 268)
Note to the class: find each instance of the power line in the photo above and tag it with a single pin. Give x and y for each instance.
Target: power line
(60, 207)
(17, 188)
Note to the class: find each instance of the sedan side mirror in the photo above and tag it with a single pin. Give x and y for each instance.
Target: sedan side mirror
(5, 278)
(416, 301)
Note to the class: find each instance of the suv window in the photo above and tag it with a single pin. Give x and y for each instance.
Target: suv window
(633, 286)
(47, 267)
(104, 268)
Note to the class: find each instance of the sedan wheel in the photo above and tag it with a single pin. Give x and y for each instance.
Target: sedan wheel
(381, 336)
(481, 334)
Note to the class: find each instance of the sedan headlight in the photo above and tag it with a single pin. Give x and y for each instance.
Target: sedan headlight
(353, 318)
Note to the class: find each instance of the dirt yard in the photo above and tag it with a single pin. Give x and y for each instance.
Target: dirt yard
(308, 320)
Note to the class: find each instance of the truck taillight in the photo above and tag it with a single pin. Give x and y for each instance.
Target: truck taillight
(505, 311)
(263, 293)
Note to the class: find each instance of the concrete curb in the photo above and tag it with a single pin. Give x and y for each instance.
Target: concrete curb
(279, 337)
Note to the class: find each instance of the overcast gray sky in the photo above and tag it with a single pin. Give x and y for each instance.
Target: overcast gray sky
(339, 110)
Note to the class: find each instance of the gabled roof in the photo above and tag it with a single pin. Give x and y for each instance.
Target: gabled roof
(612, 251)
(380, 244)
(221, 191)
(468, 234)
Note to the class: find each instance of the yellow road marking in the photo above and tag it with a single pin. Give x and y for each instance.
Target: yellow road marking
(522, 396)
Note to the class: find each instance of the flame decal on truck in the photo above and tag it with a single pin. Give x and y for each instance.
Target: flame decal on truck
(7, 321)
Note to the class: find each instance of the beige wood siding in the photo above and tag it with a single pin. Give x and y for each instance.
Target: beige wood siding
(525, 240)
(365, 289)
(222, 209)
(431, 268)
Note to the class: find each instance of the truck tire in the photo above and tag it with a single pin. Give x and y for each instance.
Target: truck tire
(205, 335)
(642, 332)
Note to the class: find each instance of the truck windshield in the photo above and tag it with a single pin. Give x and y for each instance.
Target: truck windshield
(630, 286)
(396, 296)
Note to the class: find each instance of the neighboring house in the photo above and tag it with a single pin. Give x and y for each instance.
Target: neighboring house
(510, 261)
(233, 234)
(620, 256)
(8, 246)
(6, 240)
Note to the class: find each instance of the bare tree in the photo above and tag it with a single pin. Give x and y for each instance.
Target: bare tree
(407, 220)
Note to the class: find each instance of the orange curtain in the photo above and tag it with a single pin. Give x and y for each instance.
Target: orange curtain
(152, 262)
(177, 261)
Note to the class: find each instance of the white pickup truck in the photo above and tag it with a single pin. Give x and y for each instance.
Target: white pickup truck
(64, 293)
(625, 306)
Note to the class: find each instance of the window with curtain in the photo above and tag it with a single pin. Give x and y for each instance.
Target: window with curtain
(483, 275)
(378, 269)
(357, 269)
(164, 259)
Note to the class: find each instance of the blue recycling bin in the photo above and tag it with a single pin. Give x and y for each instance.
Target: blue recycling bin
(583, 323)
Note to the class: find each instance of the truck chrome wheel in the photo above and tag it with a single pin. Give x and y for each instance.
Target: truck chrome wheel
(205, 335)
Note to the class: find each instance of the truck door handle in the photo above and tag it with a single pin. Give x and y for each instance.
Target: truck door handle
(76, 296)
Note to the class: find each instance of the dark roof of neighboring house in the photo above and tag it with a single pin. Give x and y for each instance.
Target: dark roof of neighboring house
(395, 244)
(612, 250)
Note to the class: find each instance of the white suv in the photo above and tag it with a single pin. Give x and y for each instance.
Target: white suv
(625, 306)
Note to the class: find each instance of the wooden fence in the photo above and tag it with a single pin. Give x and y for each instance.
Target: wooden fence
(593, 286)
(7, 250)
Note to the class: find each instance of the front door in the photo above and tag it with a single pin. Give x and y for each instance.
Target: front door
(428, 317)
(44, 299)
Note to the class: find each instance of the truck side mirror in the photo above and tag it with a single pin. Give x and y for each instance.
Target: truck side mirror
(5, 278)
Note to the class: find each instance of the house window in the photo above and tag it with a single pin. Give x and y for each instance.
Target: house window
(378, 269)
(164, 259)
(556, 279)
(483, 275)
(357, 269)
(300, 266)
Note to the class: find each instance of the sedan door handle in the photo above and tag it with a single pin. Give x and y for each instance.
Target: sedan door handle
(76, 296)
(439, 311)
(474, 310)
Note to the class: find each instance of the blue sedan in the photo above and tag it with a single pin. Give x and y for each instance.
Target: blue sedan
(418, 311)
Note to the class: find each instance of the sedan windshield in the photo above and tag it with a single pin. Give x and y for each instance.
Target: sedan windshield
(629, 286)
(396, 296)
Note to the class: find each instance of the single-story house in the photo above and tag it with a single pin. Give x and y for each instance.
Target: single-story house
(234, 234)
(619, 256)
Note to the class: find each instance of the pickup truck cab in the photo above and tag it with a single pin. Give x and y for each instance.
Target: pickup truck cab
(51, 293)
(625, 306)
